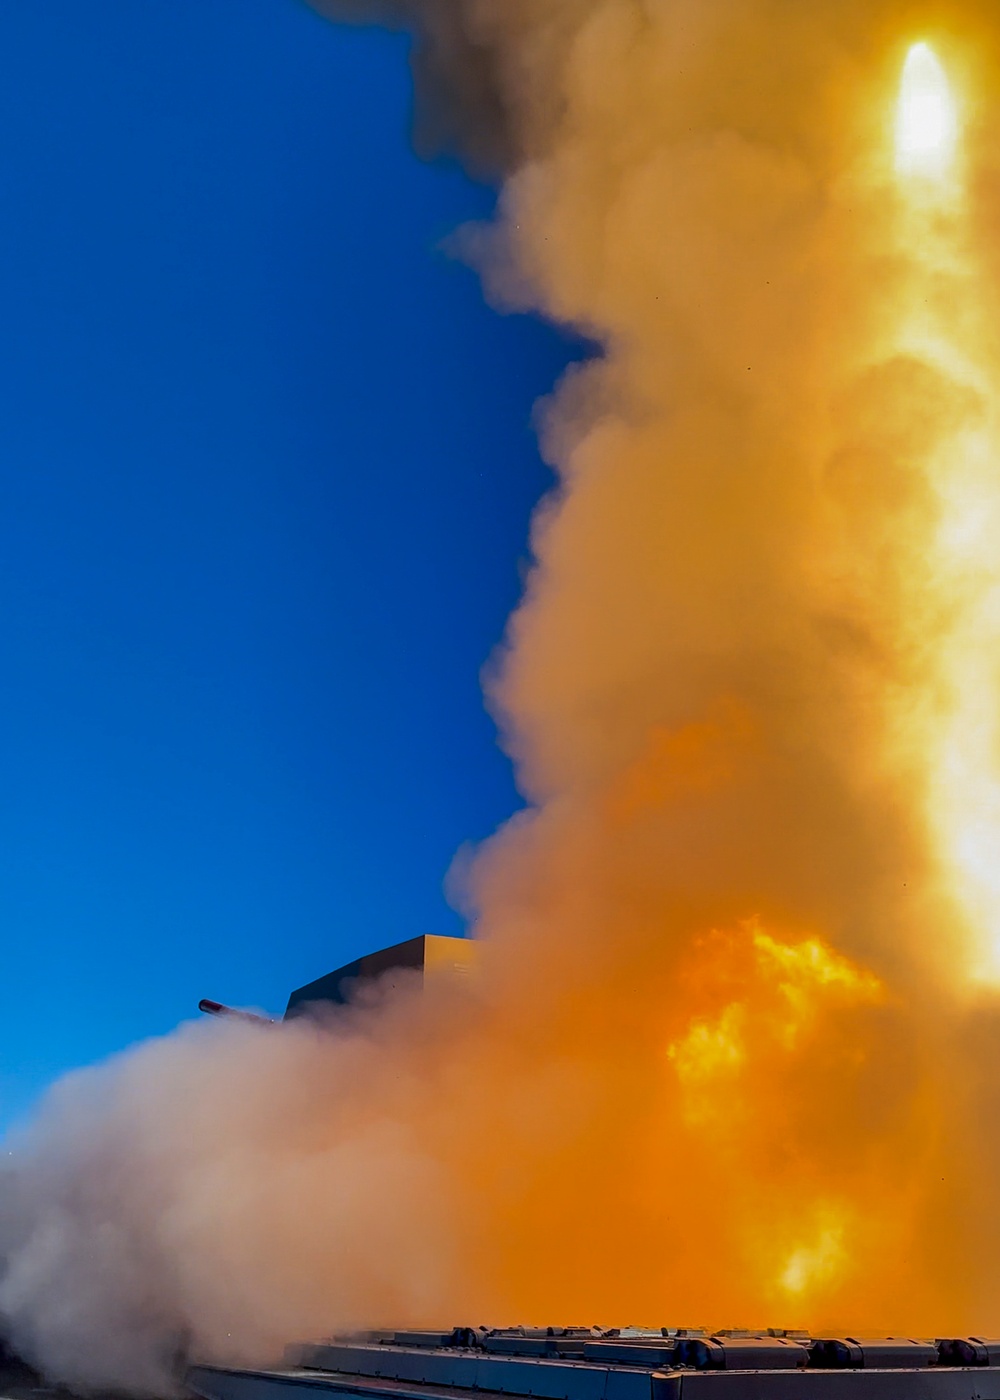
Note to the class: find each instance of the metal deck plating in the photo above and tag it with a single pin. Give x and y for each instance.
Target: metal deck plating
(587, 1364)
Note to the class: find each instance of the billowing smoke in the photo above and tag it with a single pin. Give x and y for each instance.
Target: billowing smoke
(732, 1053)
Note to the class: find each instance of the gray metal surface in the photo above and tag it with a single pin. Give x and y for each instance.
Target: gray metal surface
(553, 1379)
(558, 1381)
(218, 1383)
(938, 1383)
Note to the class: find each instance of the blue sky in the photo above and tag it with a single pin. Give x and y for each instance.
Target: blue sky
(266, 468)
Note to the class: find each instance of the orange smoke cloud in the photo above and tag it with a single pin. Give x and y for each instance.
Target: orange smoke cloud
(731, 1053)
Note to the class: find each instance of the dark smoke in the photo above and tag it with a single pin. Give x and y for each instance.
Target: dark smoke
(473, 97)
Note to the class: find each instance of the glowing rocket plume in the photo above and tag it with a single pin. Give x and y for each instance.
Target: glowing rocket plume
(927, 123)
(734, 1052)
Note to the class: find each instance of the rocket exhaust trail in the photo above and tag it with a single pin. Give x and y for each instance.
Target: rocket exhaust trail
(731, 1053)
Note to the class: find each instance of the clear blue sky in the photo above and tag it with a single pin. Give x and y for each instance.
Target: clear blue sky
(266, 468)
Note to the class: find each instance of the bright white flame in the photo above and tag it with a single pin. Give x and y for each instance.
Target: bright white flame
(965, 763)
(926, 118)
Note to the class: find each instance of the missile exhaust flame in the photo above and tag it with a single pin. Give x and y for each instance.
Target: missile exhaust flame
(732, 1044)
(927, 119)
(963, 733)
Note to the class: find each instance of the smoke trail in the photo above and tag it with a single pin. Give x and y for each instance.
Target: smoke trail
(731, 1054)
